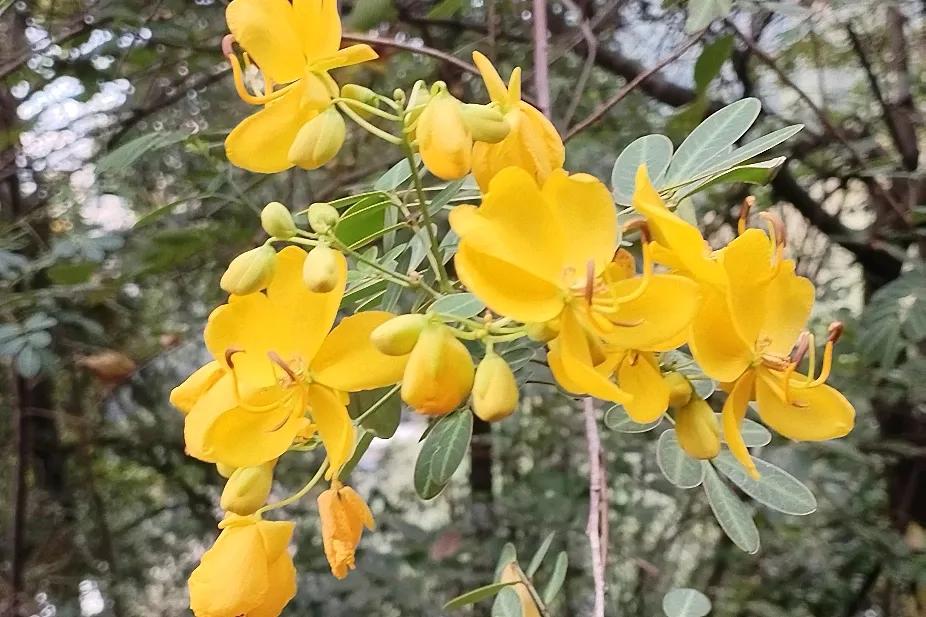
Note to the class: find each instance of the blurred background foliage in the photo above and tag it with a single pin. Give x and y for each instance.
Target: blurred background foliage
(119, 212)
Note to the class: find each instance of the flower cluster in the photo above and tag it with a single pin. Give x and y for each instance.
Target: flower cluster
(544, 251)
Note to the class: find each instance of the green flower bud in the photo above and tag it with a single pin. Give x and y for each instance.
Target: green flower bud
(360, 94)
(416, 102)
(485, 122)
(398, 336)
(247, 489)
(679, 389)
(495, 391)
(277, 221)
(322, 217)
(319, 140)
(320, 270)
(250, 272)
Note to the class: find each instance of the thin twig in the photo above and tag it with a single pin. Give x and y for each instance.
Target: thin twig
(593, 529)
(599, 113)
(418, 49)
(541, 68)
(591, 46)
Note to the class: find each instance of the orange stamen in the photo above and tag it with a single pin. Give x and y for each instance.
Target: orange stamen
(748, 203)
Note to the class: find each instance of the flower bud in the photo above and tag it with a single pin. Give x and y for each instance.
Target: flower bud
(322, 217)
(320, 270)
(679, 389)
(541, 331)
(398, 336)
(485, 123)
(495, 391)
(417, 99)
(444, 142)
(360, 94)
(225, 470)
(247, 489)
(250, 271)
(698, 430)
(439, 374)
(319, 140)
(277, 221)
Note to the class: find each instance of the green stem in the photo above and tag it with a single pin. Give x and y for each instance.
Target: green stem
(375, 406)
(437, 260)
(395, 277)
(369, 109)
(300, 493)
(367, 126)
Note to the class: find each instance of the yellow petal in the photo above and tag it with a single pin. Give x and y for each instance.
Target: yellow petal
(184, 396)
(275, 536)
(261, 142)
(516, 224)
(498, 93)
(444, 142)
(281, 574)
(789, 302)
(747, 261)
(358, 508)
(714, 341)
(266, 30)
(507, 289)
(319, 27)
(349, 362)
(334, 426)
(232, 577)
(349, 56)
(639, 375)
(734, 410)
(673, 233)
(587, 216)
(814, 414)
(662, 314)
(698, 429)
(573, 360)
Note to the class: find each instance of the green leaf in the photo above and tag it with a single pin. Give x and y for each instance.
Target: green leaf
(556, 579)
(366, 438)
(445, 9)
(702, 12)
(711, 60)
(442, 452)
(125, 155)
(678, 468)
(753, 433)
(537, 559)
(711, 138)
(476, 595)
(685, 603)
(617, 419)
(734, 517)
(397, 174)
(363, 219)
(28, 362)
(384, 421)
(72, 273)
(462, 305)
(445, 195)
(368, 14)
(775, 488)
(507, 604)
(508, 554)
(655, 151)
(755, 173)
(727, 160)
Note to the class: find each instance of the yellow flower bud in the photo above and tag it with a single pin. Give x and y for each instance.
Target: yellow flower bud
(542, 332)
(250, 271)
(322, 217)
(320, 269)
(360, 94)
(439, 373)
(416, 102)
(398, 336)
(495, 391)
(225, 470)
(485, 123)
(319, 140)
(247, 489)
(277, 221)
(679, 389)
(698, 430)
(444, 142)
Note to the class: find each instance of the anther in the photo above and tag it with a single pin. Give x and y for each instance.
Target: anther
(800, 349)
(589, 281)
(231, 351)
(776, 228)
(227, 41)
(834, 332)
(276, 359)
(748, 204)
(642, 226)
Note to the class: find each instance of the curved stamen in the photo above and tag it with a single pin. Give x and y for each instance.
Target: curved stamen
(242, 90)
(612, 304)
(834, 331)
(589, 281)
(276, 359)
(748, 203)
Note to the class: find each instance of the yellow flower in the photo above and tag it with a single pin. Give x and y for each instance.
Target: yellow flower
(439, 374)
(294, 45)
(444, 141)
(275, 360)
(543, 254)
(248, 571)
(343, 515)
(495, 390)
(532, 142)
(745, 336)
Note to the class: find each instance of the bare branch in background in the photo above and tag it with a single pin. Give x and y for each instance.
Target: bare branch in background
(594, 529)
(541, 68)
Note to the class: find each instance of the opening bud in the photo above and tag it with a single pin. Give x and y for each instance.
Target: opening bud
(322, 217)
(444, 141)
(679, 389)
(439, 374)
(698, 430)
(247, 489)
(277, 221)
(485, 122)
(397, 337)
(416, 102)
(495, 391)
(319, 140)
(250, 272)
(320, 270)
